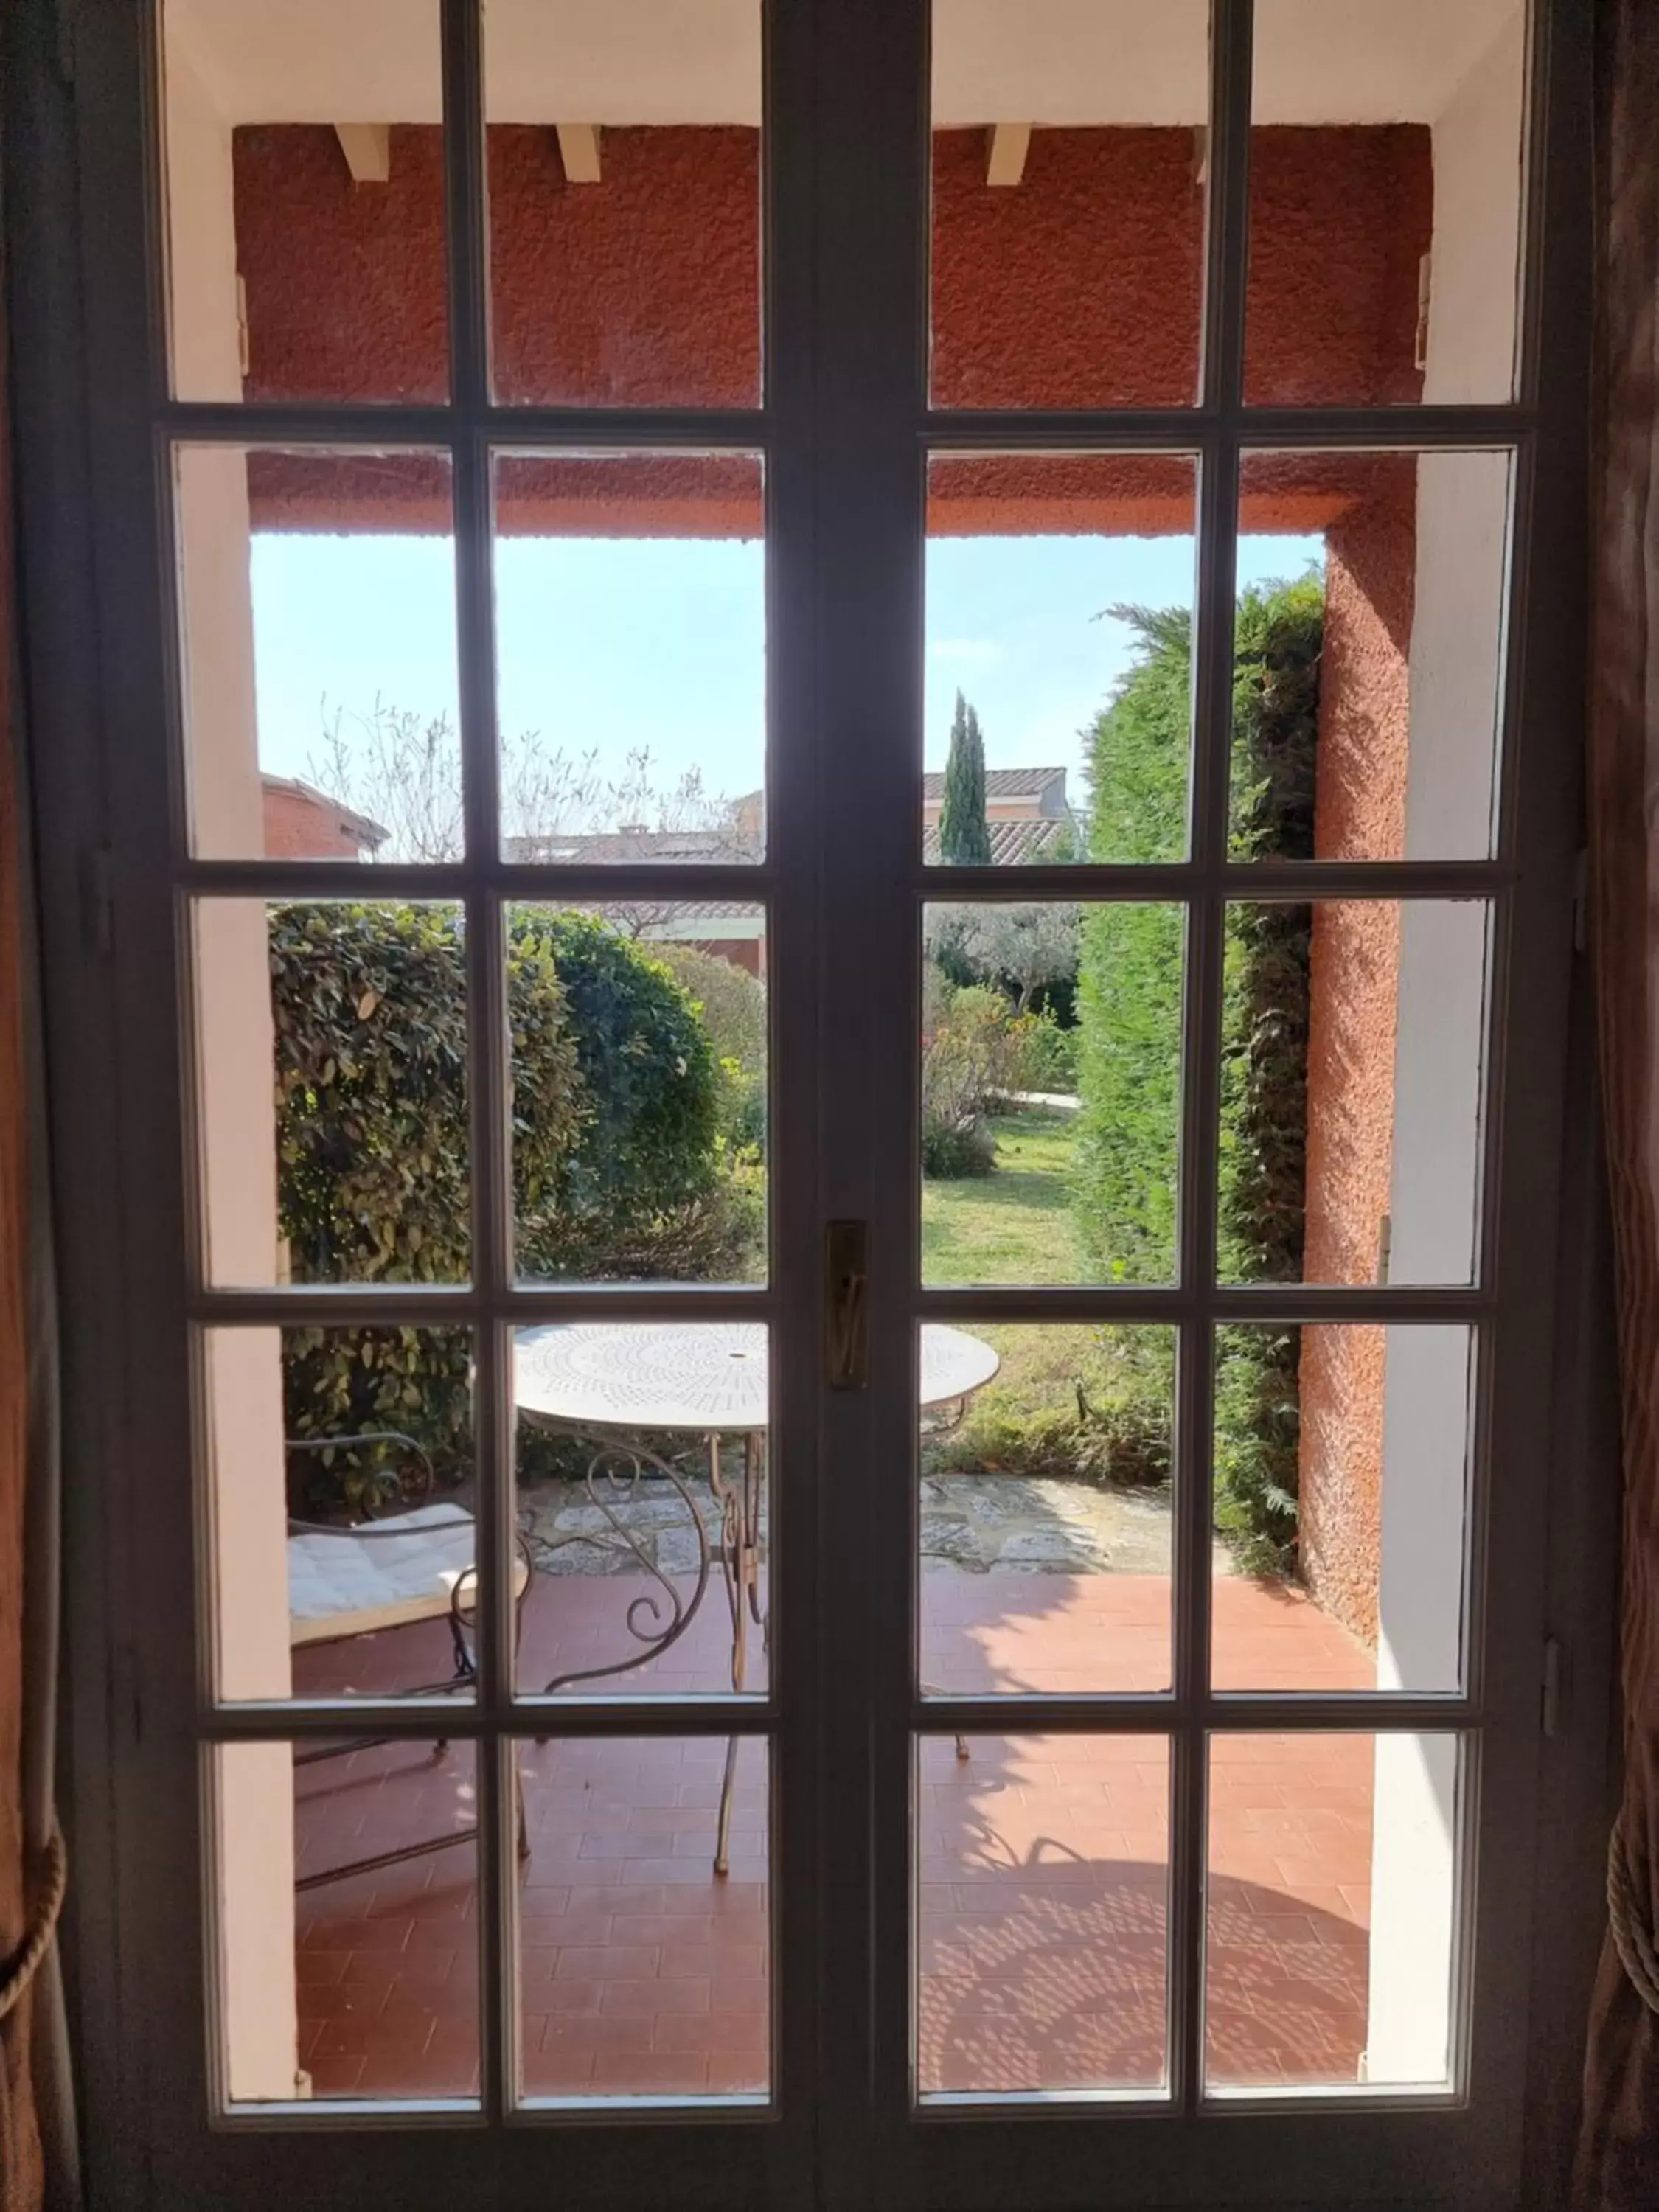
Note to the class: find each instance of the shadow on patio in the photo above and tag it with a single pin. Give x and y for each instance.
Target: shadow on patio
(1041, 1877)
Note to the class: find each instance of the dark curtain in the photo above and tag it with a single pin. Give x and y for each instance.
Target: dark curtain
(38, 2149)
(1618, 2164)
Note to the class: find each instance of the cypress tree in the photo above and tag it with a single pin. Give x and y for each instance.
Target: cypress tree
(965, 837)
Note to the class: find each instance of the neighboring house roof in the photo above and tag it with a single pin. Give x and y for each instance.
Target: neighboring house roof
(1013, 844)
(700, 918)
(593, 846)
(368, 834)
(999, 783)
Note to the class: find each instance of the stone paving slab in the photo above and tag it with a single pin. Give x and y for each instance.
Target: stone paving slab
(969, 1522)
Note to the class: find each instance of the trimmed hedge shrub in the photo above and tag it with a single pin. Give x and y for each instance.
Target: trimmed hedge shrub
(646, 1144)
(372, 1144)
(1265, 1067)
(731, 1004)
(617, 1164)
(1129, 993)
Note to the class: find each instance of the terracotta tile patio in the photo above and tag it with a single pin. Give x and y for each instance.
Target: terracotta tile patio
(1041, 1882)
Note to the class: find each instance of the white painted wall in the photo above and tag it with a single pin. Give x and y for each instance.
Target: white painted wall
(254, 1796)
(698, 61)
(1408, 2033)
(1463, 528)
(1456, 653)
(1478, 192)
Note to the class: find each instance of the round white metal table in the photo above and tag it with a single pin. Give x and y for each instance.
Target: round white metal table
(708, 1377)
(623, 1379)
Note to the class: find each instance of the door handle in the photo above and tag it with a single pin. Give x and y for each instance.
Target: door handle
(846, 1312)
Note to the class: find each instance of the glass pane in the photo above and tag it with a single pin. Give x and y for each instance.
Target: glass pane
(1341, 1492)
(1069, 177)
(1045, 1521)
(630, 643)
(346, 1911)
(643, 1472)
(1368, 672)
(1042, 1913)
(1386, 188)
(317, 598)
(639, 1086)
(331, 1054)
(305, 193)
(342, 1484)
(1353, 1068)
(644, 1971)
(1333, 1882)
(1058, 698)
(1050, 1092)
(625, 203)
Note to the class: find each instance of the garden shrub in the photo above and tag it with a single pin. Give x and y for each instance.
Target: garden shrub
(1129, 992)
(967, 1064)
(646, 1142)
(652, 1187)
(618, 1164)
(731, 1005)
(1044, 1055)
(1125, 1444)
(369, 1006)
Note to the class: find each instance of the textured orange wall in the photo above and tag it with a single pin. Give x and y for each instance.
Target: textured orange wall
(642, 291)
(719, 495)
(1360, 811)
(1079, 287)
(1340, 221)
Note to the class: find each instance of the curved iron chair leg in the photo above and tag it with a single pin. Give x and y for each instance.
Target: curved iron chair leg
(723, 1829)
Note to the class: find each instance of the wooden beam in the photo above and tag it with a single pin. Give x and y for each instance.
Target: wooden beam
(368, 149)
(579, 149)
(1006, 147)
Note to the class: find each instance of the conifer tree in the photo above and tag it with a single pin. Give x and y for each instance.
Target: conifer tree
(965, 837)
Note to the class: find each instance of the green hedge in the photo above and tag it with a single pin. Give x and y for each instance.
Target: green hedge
(1265, 1067)
(731, 1005)
(1129, 997)
(1129, 975)
(619, 1168)
(645, 1145)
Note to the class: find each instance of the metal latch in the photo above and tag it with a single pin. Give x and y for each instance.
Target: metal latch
(846, 1313)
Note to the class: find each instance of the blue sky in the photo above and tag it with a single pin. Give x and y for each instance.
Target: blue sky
(618, 643)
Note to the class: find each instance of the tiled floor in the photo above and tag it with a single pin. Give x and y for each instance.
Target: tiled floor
(1041, 1875)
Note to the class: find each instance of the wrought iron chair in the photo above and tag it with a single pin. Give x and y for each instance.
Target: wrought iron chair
(421, 1566)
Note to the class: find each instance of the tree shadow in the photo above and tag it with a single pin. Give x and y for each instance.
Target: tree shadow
(1042, 1949)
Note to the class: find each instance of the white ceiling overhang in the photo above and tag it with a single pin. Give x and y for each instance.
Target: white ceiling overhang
(1053, 61)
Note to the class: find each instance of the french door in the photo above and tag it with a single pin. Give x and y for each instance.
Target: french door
(1101, 1828)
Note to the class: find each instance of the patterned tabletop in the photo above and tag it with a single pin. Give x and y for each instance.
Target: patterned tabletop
(705, 1375)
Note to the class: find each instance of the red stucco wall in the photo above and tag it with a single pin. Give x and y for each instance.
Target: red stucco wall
(1079, 287)
(719, 495)
(1359, 813)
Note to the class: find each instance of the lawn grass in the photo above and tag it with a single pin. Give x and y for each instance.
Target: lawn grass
(1013, 1225)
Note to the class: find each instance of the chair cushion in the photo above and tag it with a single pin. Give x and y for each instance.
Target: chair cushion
(380, 1575)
